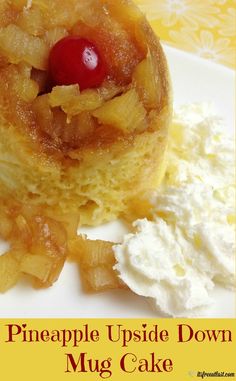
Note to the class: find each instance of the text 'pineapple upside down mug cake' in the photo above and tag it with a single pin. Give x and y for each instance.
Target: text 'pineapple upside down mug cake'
(85, 105)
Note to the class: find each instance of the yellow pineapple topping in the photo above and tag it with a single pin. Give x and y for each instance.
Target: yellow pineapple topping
(124, 112)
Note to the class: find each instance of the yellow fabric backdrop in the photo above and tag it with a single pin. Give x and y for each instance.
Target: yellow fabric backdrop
(204, 27)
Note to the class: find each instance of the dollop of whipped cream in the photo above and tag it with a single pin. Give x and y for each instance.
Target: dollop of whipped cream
(177, 257)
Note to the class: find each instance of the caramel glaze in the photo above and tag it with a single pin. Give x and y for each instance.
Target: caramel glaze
(25, 119)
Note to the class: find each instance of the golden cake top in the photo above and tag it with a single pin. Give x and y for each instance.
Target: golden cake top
(79, 74)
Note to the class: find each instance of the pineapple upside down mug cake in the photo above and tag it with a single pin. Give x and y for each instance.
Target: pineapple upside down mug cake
(85, 104)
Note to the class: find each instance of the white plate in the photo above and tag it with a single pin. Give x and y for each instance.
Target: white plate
(194, 80)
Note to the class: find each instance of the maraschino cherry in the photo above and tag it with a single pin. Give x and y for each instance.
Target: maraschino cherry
(76, 60)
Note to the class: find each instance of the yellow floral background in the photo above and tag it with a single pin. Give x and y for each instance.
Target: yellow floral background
(204, 27)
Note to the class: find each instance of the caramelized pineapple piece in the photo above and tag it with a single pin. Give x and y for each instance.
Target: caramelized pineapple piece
(75, 130)
(5, 226)
(72, 101)
(38, 266)
(22, 229)
(62, 95)
(85, 124)
(45, 241)
(52, 36)
(88, 100)
(43, 113)
(131, 19)
(126, 12)
(38, 245)
(19, 82)
(101, 278)
(18, 46)
(109, 90)
(124, 112)
(69, 221)
(145, 83)
(49, 240)
(60, 12)
(31, 21)
(96, 260)
(26, 88)
(58, 125)
(95, 253)
(7, 13)
(9, 271)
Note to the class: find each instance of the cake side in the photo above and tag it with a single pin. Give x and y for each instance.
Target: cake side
(94, 159)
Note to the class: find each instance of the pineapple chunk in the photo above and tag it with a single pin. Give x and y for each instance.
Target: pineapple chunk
(5, 226)
(88, 100)
(52, 36)
(124, 112)
(43, 244)
(126, 12)
(95, 253)
(70, 221)
(19, 82)
(38, 244)
(19, 46)
(22, 227)
(129, 16)
(43, 112)
(145, 83)
(59, 126)
(85, 124)
(9, 271)
(72, 101)
(62, 95)
(26, 88)
(31, 21)
(109, 90)
(96, 259)
(101, 278)
(7, 13)
(60, 12)
(39, 266)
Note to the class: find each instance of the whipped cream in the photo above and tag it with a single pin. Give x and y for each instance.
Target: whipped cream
(188, 246)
